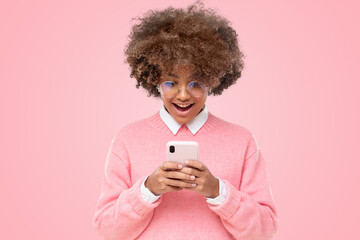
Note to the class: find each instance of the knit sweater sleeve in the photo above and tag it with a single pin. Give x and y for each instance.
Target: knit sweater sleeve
(121, 212)
(249, 212)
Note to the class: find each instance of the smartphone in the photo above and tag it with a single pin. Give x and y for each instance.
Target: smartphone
(179, 151)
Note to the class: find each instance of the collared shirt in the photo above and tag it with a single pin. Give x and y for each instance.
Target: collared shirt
(194, 126)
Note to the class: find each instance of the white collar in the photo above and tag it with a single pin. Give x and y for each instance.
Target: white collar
(194, 125)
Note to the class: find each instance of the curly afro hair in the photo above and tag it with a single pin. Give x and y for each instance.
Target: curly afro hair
(166, 39)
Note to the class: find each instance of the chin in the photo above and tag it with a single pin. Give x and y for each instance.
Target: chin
(182, 121)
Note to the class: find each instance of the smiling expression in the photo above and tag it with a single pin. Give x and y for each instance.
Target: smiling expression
(193, 105)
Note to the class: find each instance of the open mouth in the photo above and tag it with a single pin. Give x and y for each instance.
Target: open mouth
(184, 107)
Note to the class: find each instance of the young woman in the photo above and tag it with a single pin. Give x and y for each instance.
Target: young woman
(183, 56)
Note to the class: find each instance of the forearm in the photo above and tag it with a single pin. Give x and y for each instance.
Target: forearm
(124, 217)
(244, 217)
(249, 212)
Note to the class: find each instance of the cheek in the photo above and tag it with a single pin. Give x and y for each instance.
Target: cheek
(165, 101)
(201, 101)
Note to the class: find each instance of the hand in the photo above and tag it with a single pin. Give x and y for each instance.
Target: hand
(168, 178)
(207, 184)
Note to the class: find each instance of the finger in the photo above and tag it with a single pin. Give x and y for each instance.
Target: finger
(179, 183)
(195, 164)
(172, 189)
(168, 165)
(179, 175)
(191, 171)
(193, 188)
(196, 181)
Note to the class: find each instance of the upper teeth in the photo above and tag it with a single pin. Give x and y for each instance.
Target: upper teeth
(183, 105)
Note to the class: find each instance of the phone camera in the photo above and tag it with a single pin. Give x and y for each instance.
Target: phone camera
(172, 149)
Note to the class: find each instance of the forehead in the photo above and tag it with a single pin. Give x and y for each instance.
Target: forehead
(182, 73)
(179, 78)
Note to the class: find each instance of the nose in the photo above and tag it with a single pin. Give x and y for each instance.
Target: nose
(183, 94)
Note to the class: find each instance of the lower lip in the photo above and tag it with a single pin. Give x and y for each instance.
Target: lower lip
(182, 113)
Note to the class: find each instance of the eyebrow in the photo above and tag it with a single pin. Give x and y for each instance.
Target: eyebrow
(176, 76)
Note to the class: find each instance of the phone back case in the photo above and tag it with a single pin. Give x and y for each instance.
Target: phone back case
(183, 150)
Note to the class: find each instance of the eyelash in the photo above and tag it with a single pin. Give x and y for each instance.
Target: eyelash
(172, 81)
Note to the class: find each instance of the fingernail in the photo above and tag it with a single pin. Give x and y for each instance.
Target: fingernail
(192, 177)
(193, 184)
(187, 162)
(180, 166)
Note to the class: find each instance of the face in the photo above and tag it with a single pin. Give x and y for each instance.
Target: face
(182, 76)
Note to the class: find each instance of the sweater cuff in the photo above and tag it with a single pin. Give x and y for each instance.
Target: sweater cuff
(137, 202)
(230, 205)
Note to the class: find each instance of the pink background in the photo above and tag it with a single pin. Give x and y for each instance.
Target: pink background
(65, 90)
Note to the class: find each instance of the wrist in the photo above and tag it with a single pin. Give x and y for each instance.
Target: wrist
(147, 183)
(216, 189)
(149, 186)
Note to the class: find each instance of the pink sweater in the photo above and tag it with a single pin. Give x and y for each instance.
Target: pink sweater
(229, 151)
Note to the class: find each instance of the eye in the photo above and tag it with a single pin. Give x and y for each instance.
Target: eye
(169, 84)
(195, 84)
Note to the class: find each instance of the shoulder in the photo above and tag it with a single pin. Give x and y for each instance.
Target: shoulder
(237, 132)
(234, 128)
